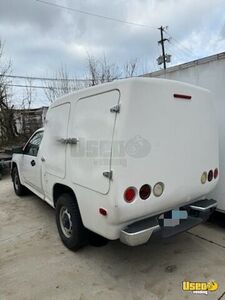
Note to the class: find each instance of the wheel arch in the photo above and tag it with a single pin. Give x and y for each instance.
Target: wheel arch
(13, 166)
(59, 189)
(16, 163)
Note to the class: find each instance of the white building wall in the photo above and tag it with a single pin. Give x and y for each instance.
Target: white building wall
(208, 73)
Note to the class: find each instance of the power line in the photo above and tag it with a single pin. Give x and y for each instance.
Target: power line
(31, 86)
(187, 51)
(176, 53)
(54, 79)
(94, 14)
(36, 86)
(43, 78)
(41, 86)
(180, 48)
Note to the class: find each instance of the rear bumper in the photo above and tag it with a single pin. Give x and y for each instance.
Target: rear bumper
(140, 232)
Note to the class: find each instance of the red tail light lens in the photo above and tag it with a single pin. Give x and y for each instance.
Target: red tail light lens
(181, 96)
(129, 194)
(145, 191)
(210, 175)
(103, 211)
(216, 173)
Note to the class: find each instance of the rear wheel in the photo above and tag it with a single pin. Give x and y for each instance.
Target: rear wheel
(19, 189)
(71, 229)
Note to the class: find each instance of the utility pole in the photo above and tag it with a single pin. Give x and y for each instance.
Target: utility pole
(164, 58)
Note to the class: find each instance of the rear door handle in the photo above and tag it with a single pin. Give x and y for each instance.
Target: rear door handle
(43, 159)
(33, 163)
(71, 141)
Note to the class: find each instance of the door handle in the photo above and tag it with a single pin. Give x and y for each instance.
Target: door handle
(71, 141)
(43, 159)
(33, 163)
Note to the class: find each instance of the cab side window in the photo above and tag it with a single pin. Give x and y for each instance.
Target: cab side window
(32, 147)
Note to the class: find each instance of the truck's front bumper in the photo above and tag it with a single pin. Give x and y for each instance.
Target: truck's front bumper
(140, 232)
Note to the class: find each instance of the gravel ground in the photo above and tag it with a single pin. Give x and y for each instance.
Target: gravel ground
(35, 265)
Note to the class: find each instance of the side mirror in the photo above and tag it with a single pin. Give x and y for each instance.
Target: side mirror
(17, 150)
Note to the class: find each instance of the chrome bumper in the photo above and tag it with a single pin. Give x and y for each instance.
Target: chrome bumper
(141, 235)
(140, 232)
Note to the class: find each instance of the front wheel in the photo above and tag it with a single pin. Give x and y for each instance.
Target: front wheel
(71, 229)
(19, 189)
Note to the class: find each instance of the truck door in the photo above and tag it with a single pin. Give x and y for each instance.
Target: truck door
(53, 148)
(92, 124)
(31, 162)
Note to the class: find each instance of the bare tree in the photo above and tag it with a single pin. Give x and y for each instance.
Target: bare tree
(101, 71)
(61, 85)
(8, 130)
(130, 68)
(24, 113)
(98, 71)
(29, 94)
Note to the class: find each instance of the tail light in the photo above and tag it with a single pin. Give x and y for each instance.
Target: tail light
(129, 194)
(216, 173)
(103, 211)
(204, 177)
(210, 175)
(182, 96)
(158, 189)
(145, 191)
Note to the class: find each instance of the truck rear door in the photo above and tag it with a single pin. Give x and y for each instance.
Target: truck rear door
(92, 124)
(52, 147)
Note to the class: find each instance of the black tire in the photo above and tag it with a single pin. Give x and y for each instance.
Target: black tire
(69, 223)
(96, 240)
(19, 189)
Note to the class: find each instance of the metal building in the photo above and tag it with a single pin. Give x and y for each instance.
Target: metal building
(209, 73)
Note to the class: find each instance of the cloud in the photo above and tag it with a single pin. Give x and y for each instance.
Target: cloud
(39, 38)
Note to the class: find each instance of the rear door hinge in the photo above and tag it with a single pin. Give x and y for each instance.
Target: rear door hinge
(115, 109)
(108, 174)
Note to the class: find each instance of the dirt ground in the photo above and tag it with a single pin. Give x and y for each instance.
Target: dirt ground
(35, 265)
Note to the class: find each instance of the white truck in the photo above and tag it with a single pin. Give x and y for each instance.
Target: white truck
(208, 72)
(124, 160)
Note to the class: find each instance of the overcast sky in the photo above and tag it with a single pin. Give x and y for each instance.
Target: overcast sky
(39, 38)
